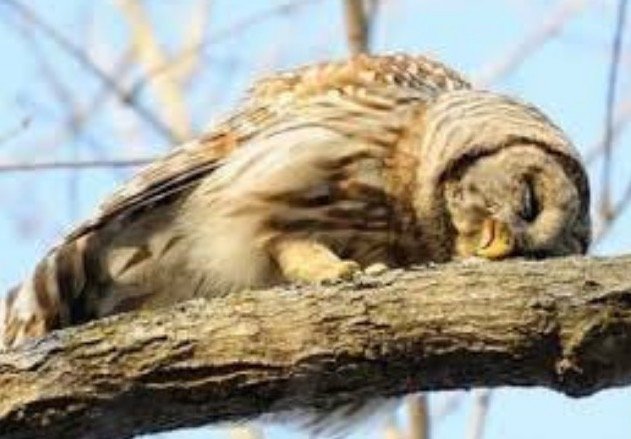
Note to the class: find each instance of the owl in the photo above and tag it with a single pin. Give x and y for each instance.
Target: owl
(320, 172)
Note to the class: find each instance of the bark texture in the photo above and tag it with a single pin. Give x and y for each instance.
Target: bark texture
(564, 324)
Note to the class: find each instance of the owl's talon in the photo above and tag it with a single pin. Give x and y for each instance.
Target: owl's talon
(376, 269)
(342, 271)
(312, 262)
(323, 273)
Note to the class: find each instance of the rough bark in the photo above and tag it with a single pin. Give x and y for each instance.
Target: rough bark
(564, 324)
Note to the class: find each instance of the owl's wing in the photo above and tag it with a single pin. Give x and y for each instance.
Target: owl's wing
(268, 103)
(180, 169)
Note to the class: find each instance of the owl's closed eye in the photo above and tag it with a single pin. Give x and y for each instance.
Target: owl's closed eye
(518, 202)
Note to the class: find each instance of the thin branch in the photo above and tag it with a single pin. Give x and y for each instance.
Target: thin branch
(554, 22)
(372, 9)
(76, 122)
(391, 429)
(194, 28)
(447, 405)
(67, 101)
(418, 414)
(230, 31)
(357, 26)
(605, 207)
(15, 131)
(604, 227)
(75, 164)
(481, 401)
(152, 57)
(624, 201)
(85, 61)
(622, 116)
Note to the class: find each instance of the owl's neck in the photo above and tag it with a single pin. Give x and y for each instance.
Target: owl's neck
(420, 225)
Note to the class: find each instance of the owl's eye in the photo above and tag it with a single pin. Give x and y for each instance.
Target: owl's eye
(530, 207)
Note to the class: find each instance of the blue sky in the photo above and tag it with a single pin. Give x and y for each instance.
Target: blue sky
(566, 77)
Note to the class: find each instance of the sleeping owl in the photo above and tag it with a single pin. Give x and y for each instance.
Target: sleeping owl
(320, 172)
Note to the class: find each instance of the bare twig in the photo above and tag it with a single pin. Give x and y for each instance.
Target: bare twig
(372, 8)
(74, 164)
(448, 404)
(391, 430)
(481, 402)
(624, 201)
(77, 121)
(230, 31)
(605, 207)
(193, 37)
(550, 27)
(357, 26)
(603, 228)
(67, 101)
(622, 116)
(418, 417)
(13, 132)
(84, 60)
(152, 57)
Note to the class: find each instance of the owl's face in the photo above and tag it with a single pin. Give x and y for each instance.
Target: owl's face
(516, 202)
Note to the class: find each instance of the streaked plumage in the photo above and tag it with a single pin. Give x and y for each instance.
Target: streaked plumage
(320, 171)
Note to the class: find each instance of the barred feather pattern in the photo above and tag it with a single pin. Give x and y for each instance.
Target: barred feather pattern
(351, 155)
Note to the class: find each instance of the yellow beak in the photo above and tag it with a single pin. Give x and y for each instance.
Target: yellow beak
(496, 241)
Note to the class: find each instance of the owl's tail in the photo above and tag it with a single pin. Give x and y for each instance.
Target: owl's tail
(54, 296)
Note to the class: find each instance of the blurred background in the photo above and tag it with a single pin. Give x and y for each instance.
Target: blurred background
(90, 90)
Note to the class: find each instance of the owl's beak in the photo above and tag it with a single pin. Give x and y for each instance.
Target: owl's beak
(496, 240)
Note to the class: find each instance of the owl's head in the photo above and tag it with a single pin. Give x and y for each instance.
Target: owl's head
(518, 201)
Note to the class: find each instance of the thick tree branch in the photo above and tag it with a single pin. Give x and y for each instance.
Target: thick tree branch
(564, 324)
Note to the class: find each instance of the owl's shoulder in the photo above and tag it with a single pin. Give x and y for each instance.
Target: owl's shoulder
(419, 72)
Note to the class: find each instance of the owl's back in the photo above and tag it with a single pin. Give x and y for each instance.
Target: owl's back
(193, 222)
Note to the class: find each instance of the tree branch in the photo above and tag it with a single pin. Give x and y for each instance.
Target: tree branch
(563, 323)
(357, 26)
(605, 208)
(555, 19)
(151, 56)
(84, 60)
(75, 164)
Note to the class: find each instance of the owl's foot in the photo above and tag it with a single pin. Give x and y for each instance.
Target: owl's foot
(376, 269)
(302, 260)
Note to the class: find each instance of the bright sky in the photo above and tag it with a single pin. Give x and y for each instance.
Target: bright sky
(566, 77)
